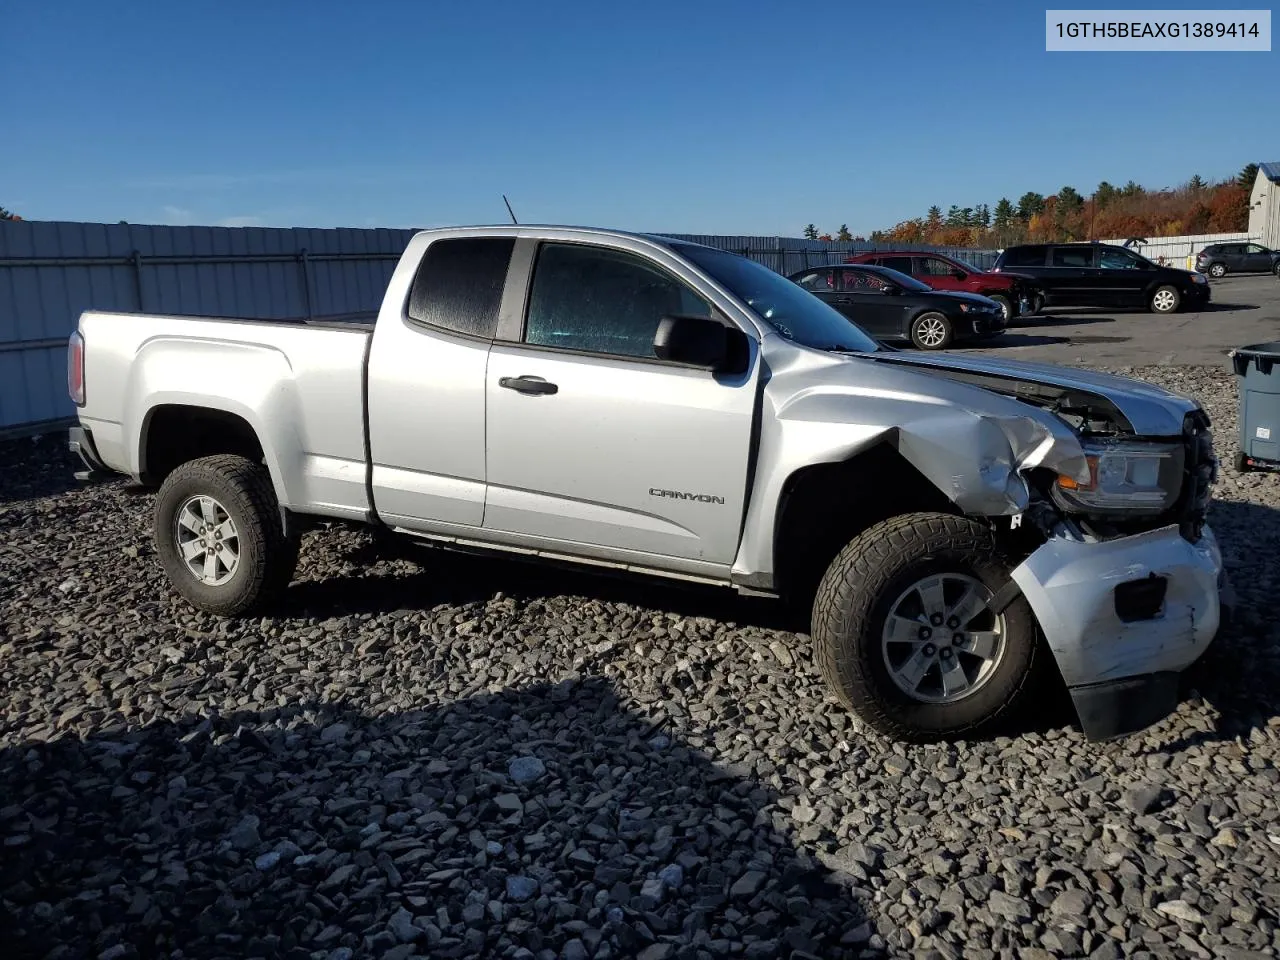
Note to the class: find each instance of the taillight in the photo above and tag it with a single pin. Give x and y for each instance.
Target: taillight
(75, 368)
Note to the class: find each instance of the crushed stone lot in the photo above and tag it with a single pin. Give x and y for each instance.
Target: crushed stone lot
(458, 757)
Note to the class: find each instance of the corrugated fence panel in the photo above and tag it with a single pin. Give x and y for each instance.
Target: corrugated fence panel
(50, 272)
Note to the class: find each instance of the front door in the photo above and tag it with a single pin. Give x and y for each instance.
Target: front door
(595, 443)
(938, 274)
(1122, 277)
(1257, 258)
(860, 296)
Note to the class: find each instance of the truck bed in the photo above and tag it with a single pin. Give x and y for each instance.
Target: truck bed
(299, 384)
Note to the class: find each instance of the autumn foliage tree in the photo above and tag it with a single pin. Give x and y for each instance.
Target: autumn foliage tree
(1196, 206)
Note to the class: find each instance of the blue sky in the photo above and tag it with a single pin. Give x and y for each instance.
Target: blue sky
(697, 116)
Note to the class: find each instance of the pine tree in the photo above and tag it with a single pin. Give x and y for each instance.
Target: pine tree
(811, 232)
(1196, 183)
(1004, 212)
(843, 233)
(8, 215)
(1029, 204)
(1248, 175)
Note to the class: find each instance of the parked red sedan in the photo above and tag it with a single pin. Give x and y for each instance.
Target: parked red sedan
(947, 273)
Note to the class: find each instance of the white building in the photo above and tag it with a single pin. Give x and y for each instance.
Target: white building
(1264, 206)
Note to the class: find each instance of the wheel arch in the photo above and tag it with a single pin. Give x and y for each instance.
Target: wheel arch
(824, 505)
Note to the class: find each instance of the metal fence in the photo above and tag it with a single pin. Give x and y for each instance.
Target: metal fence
(50, 272)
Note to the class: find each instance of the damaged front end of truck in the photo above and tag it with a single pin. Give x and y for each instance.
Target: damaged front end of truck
(1098, 486)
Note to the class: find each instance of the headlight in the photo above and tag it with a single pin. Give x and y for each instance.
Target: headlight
(1124, 477)
(1199, 278)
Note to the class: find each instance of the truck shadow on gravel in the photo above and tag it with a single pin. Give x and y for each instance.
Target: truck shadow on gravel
(439, 576)
(36, 469)
(550, 818)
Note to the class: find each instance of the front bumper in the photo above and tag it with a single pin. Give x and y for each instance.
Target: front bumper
(1119, 657)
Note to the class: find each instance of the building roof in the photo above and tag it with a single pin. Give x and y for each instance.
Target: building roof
(1271, 170)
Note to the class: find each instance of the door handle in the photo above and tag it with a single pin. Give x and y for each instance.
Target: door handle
(527, 384)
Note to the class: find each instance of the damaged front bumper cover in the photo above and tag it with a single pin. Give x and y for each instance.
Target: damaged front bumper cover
(1124, 618)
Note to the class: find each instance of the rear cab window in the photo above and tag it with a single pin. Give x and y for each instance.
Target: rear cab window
(458, 286)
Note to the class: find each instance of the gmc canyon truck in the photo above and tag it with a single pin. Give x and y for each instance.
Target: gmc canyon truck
(958, 524)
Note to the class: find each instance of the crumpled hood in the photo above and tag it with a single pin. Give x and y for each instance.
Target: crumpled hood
(1150, 411)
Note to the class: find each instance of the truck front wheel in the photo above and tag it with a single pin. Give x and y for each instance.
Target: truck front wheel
(219, 535)
(904, 636)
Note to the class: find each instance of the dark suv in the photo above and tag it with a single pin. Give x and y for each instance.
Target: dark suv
(1092, 274)
(1219, 259)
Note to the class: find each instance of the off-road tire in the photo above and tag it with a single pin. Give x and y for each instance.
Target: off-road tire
(855, 597)
(932, 315)
(267, 557)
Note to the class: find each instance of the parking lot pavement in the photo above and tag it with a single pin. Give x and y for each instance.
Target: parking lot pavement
(1243, 310)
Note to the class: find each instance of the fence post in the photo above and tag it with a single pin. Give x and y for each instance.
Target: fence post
(306, 279)
(782, 258)
(136, 259)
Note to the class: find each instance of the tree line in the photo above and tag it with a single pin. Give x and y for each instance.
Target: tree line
(1194, 207)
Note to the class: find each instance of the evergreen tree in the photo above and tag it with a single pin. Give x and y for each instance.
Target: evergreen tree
(1248, 175)
(843, 234)
(1029, 204)
(811, 232)
(1004, 212)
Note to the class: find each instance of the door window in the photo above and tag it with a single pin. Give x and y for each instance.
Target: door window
(859, 281)
(933, 267)
(605, 301)
(1254, 248)
(819, 281)
(1072, 257)
(901, 264)
(1113, 258)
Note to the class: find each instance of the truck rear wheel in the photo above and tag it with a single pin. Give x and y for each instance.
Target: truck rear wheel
(905, 639)
(219, 535)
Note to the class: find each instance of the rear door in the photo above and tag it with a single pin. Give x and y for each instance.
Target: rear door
(595, 444)
(1071, 277)
(426, 386)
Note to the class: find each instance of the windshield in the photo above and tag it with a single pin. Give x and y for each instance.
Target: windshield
(968, 266)
(795, 313)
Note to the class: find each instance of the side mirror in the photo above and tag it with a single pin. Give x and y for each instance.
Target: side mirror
(699, 341)
(891, 290)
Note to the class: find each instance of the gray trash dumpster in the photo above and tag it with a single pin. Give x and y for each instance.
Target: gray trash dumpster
(1258, 371)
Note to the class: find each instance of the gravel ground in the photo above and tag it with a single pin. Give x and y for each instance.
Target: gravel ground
(477, 758)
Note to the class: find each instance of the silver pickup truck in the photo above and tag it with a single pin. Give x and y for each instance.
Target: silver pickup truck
(958, 524)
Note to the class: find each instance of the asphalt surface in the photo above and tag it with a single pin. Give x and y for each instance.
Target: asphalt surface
(1243, 310)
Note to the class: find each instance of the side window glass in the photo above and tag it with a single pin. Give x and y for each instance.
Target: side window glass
(458, 286)
(1118, 260)
(860, 282)
(603, 301)
(817, 282)
(1071, 257)
(901, 264)
(1254, 248)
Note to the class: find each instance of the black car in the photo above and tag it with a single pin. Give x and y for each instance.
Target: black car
(1219, 259)
(1092, 274)
(890, 305)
